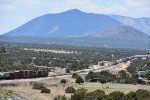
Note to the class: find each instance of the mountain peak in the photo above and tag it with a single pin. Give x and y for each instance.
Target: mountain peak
(69, 23)
(73, 11)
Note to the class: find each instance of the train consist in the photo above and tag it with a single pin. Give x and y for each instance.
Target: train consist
(23, 74)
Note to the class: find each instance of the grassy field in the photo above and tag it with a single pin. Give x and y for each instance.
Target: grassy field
(57, 88)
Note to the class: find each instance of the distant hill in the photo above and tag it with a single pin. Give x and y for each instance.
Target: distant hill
(142, 24)
(123, 32)
(66, 24)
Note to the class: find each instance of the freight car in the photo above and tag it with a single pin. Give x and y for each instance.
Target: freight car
(23, 74)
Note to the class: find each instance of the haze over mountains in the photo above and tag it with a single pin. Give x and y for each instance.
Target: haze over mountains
(74, 25)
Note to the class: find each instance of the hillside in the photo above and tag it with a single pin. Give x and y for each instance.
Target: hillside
(69, 23)
(142, 24)
(77, 28)
(123, 32)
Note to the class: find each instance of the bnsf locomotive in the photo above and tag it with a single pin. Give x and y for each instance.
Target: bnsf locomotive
(23, 74)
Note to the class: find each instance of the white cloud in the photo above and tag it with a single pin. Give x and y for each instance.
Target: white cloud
(85, 5)
(140, 6)
(7, 7)
(60, 5)
(137, 3)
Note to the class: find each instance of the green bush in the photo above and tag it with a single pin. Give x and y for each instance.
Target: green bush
(79, 94)
(59, 97)
(107, 76)
(70, 90)
(147, 75)
(91, 75)
(38, 86)
(131, 96)
(102, 81)
(45, 90)
(67, 70)
(79, 80)
(130, 80)
(82, 94)
(106, 97)
(142, 94)
(117, 95)
(63, 81)
(75, 75)
(95, 95)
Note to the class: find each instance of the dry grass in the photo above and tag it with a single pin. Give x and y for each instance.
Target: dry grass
(110, 87)
(59, 89)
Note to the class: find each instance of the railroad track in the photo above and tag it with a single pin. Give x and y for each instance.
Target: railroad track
(3, 82)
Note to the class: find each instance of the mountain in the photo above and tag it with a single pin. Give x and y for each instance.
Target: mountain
(123, 32)
(77, 28)
(142, 24)
(66, 24)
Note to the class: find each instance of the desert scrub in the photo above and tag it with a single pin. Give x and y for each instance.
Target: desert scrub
(45, 90)
(70, 90)
(59, 97)
(63, 81)
(40, 86)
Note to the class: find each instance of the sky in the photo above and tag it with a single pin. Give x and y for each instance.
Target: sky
(14, 13)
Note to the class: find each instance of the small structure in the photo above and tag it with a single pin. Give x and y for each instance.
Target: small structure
(104, 63)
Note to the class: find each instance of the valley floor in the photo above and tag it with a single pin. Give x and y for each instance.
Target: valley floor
(26, 91)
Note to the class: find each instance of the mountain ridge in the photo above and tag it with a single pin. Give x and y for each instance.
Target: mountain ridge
(123, 32)
(77, 28)
(142, 24)
(68, 23)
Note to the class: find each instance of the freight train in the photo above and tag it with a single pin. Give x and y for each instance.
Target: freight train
(23, 74)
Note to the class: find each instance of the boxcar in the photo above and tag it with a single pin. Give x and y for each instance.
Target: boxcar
(12, 75)
(17, 75)
(45, 72)
(34, 74)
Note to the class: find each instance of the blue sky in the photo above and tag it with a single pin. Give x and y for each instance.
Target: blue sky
(14, 13)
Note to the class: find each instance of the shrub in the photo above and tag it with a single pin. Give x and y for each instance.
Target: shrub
(147, 75)
(59, 97)
(102, 81)
(79, 94)
(95, 95)
(130, 80)
(45, 90)
(67, 70)
(63, 81)
(107, 76)
(75, 75)
(91, 75)
(123, 74)
(70, 90)
(141, 94)
(117, 95)
(79, 80)
(106, 98)
(131, 95)
(38, 86)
